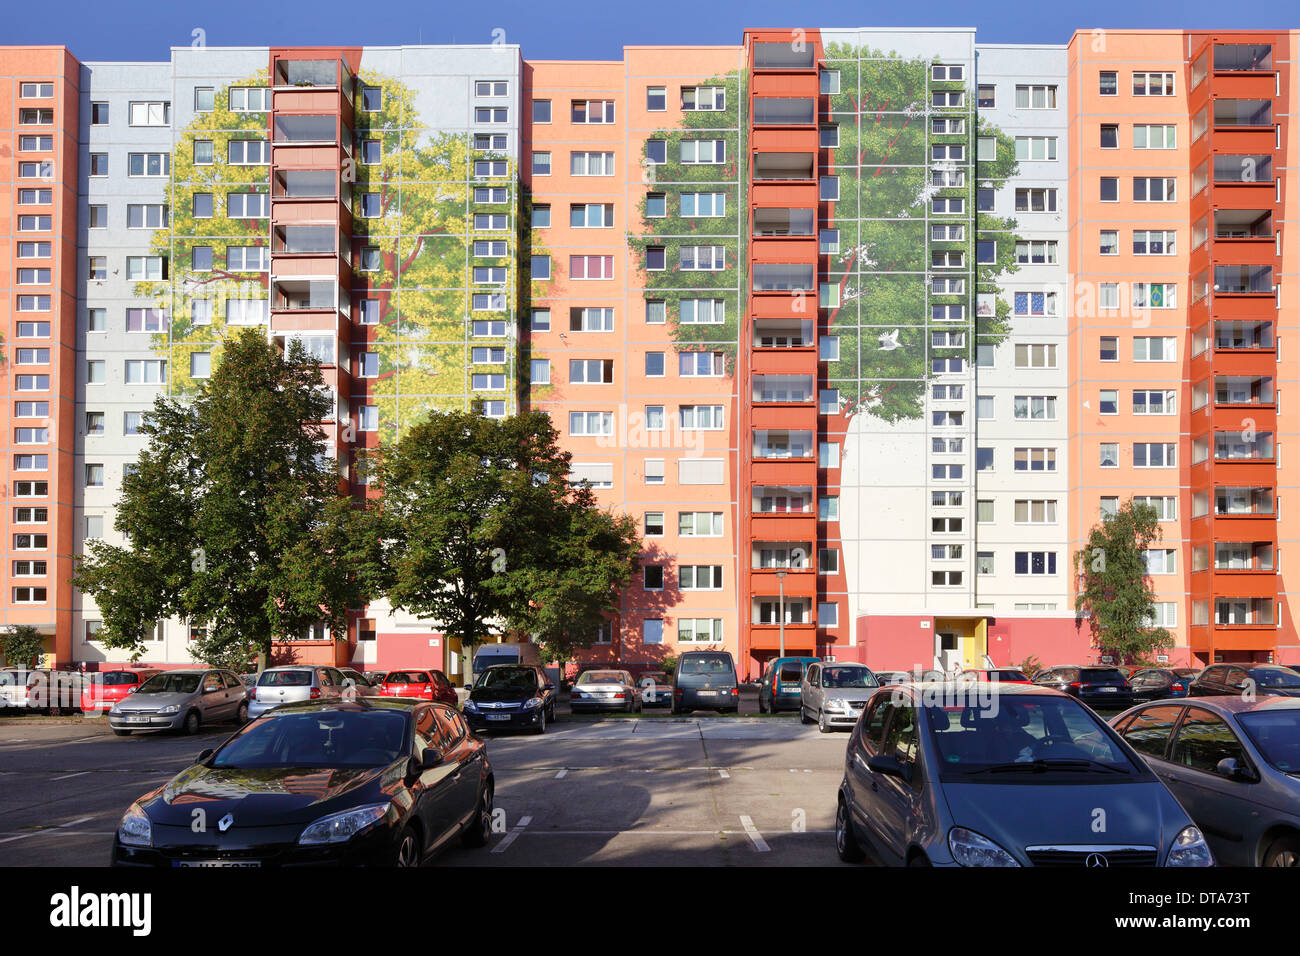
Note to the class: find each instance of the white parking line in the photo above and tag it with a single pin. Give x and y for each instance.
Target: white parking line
(513, 835)
(62, 826)
(69, 776)
(724, 775)
(752, 832)
(561, 774)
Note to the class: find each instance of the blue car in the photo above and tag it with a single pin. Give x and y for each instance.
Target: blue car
(781, 686)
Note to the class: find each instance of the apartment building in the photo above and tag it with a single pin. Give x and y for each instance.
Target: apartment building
(866, 327)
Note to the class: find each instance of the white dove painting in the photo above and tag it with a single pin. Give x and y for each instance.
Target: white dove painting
(889, 341)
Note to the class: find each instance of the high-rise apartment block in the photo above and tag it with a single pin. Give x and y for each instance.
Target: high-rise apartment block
(867, 328)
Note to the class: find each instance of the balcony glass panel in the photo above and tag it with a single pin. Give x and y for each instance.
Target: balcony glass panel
(1243, 168)
(1238, 611)
(784, 166)
(781, 554)
(783, 444)
(1243, 390)
(1234, 334)
(782, 56)
(304, 129)
(307, 184)
(306, 239)
(1243, 58)
(1243, 501)
(767, 610)
(305, 294)
(783, 388)
(780, 500)
(1243, 556)
(1243, 224)
(1243, 279)
(783, 277)
(784, 111)
(1243, 112)
(782, 333)
(1233, 446)
(307, 72)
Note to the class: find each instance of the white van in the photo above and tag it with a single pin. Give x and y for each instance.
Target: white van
(489, 654)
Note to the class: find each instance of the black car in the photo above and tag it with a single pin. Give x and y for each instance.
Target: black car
(329, 782)
(705, 680)
(511, 697)
(1234, 680)
(1096, 685)
(1158, 683)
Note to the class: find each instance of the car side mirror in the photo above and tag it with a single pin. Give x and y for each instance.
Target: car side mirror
(204, 755)
(430, 758)
(548, 686)
(888, 766)
(1233, 769)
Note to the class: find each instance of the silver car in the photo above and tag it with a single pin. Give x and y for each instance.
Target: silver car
(834, 694)
(364, 685)
(1234, 765)
(605, 690)
(295, 682)
(181, 700)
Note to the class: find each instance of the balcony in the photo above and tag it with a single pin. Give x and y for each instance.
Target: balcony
(770, 222)
(1243, 280)
(319, 347)
(1243, 502)
(1243, 612)
(297, 130)
(1233, 446)
(766, 609)
(299, 295)
(783, 500)
(305, 184)
(1250, 168)
(783, 334)
(313, 73)
(305, 240)
(1238, 335)
(783, 277)
(1243, 224)
(1243, 556)
(781, 444)
(784, 389)
(1243, 58)
(1229, 114)
(784, 111)
(783, 56)
(1243, 390)
(787, 555)
(801, 167)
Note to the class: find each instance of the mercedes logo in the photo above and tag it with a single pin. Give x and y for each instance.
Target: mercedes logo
(225, 823)
(1096, 859)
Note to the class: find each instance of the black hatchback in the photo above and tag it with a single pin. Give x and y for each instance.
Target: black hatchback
(328, 782)
(511, 697)
(1236, 680)
(705, 680)
(1096, 685)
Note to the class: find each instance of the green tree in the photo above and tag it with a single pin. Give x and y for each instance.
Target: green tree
(22, 645)
(1114, 590)
(485, 532)
(233, 518)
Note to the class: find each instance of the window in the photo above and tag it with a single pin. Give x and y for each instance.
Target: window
(700, 364)
(1166, 507)
(591, 267)
(1035, 511)
(1035, 356)
(1154, 348)
(540, 320)
(830, 82)
(541, 111)
(1110, 189)
(701, 417)
(828, 454)
(828, 614)
(1110, 136)
(1035, 147)
(704, 98)
(94, 476)
(248, 205)
(1158, 242)
(248, 152)
(656, 205)
(1161, 561)
(131, 422)
(1109, 402)
(1109, 242)
(591, 215)
(1153, 84)
(247, 311)
(541, 217)
(652, 577)
(702, 311)
(540, 266)
(1108, 83)
(491, 114)
(983, 459)
(1036, 200)
(248, 258)
(152, 216)
(1034, 407)
(148, 164)
(146, 320)
(1147, 136)
(591, 423)
(490, 87)
(591, 371)
(700, 152)
(1155, 455)
(702, 205)
(1154, 295)
(986, 149)
(699, 524)
(200, 364)
(987, 98)
(145, 371)
(541, 163)
(1035, 563)
(1034, 303)
(592, 111)
(591, 320)
(1035, 459)
(702, 258)
(656, 98)
(157, 113)
(700, 577)
(254, 99)
(1035, 252)
(36, 91)
(1035, 97)
(1154, 189)
(96, 320)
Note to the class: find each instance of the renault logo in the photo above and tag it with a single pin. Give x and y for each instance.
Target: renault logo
(226, 822)
(1096, 859)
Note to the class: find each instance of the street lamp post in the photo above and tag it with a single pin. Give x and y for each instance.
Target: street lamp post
(780, 610)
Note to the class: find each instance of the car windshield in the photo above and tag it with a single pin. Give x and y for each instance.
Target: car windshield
(508, 678)
(1007, 675)
(1094, 674)
(1275, 677)
(407, 677)
(350, 739)
(705, 665)
(848, 677)
(1005, 733)
(1277, 735)
(600, 677)
(657, 676)
(284, 679)
(170, 684)
(118, 678)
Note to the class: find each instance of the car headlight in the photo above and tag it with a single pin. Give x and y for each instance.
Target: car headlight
(471, 707)
(971, 849)
(837, 703)
(532, 703)
(1190, 849)
(340, 827)
(135, 828)
(171, 709)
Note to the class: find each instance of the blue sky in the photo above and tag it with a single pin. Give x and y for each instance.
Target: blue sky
(145, 29)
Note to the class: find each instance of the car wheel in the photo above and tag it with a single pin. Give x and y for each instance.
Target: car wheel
(1283, 852)
(762, 707)
(407, 852)
(121, 733)
(241, 715)
(541, 727)
(803, 715)
(480, 829)
(192, 722)
(822, 726)
(846, 841)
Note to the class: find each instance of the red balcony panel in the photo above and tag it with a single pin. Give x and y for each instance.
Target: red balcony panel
(776, 305)
(785, 195)
(792, 526)
(800, 639)
(1244, 362)
(1261, 307)
(313, 211)
(1233, 418)
(792, 417)
(765, 140)
(802, 361)
(317, 101)
(797, 583)
(1251, 637)
(797, 472)
(1259, 251)
(773, 249)
(1245, 584)
(285, 156)
(785, 84)
(1245, 86)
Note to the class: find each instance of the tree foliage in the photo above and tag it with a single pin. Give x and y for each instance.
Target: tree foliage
(232, 517)
(486, 535)
(22, 645)
(1114, 589)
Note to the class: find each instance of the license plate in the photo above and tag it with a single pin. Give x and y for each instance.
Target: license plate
(137, 720)
(498, 716)
(1108, 690)
(708, 693)
(217, 863)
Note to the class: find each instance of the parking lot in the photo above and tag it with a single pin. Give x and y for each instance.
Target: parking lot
(703, 791)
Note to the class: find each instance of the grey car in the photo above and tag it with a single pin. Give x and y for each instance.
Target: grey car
(834, 694)
(982, 774)
(605, 690)
(295, 682)
(364, 685)
(181, 700)
(1234, 764)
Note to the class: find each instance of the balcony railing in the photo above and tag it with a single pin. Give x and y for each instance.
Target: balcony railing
(1243, 280)
(306, 184)
(785, 222)
(1243, 58)
(307, 73)
(782, 166)
(784, 111)
(784, 388)
(1235, 334)
(1243, 168)
(782, 444)
(1234, 502)
(1234, 446)
(779, 500)
(782, 334)
(783, 277)
(783, 56)
(1229, 113)
(305, 129)
(1238, 390)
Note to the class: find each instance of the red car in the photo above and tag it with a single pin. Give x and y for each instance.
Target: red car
(1003, 675)
(104, 689)
(422, 685)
